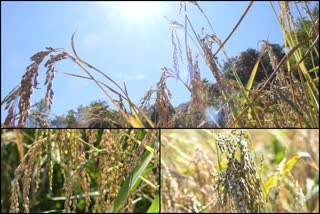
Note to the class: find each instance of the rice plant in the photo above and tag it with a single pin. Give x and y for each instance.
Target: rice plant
(240, 171)
(82, 170)
(288, 97)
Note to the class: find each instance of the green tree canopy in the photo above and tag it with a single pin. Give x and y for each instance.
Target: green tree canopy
(245, 62)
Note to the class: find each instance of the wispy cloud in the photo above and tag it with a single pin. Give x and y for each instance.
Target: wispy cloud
(91, 41)
(131, 77)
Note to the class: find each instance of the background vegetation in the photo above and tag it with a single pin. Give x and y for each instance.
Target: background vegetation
(79, 170)
(225, 170)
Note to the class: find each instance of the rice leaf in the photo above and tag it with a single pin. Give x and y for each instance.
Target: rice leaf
(285, 166)
(155, 206)
(250, 83)
(130, 182)
(252, 76)
(136, 123)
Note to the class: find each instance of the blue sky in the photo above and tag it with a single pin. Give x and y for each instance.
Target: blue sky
(130, 46)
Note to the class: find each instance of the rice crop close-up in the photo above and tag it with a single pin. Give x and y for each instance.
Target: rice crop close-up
(80, 170)
(240, 171)
(272, 85)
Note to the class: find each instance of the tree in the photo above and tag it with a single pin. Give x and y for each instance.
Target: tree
(96, 115)
(245, 62)
(39, 115)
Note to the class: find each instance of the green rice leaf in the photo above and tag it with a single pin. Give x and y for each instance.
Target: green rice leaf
(285, 166)
(130, 182)
(155, 206)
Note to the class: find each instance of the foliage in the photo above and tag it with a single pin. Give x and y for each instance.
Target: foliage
(81, 170)
(96, 115)
(246, 61)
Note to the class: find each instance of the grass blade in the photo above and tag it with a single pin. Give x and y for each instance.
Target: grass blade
(130, 182)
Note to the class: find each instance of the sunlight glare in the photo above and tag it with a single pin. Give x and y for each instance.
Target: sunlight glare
(139, 10)
(136, 12)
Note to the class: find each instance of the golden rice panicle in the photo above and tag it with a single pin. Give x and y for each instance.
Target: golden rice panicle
(197, 106)
(163, 104)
